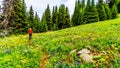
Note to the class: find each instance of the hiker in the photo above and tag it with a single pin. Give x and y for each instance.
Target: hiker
(30, 33)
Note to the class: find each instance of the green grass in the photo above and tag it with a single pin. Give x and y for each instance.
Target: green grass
(52, 49)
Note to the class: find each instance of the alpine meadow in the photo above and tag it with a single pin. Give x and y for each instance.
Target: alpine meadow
(88, 38)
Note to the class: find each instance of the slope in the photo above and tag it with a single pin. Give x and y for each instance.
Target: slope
(53, 49)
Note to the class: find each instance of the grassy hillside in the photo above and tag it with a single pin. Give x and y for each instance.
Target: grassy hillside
(53, 49)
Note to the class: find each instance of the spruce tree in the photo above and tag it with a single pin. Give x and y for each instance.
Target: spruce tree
(107, 11)
(36, 23)
(43, 24)
(118, 6)
(31, 18)
(55, 18)
(67, 19)
(112, 3)
(48, 17)
(61, 17)
(94, 13)
(101, 10)
(83, 4)
(24, 17)
(82, 10)
(75, 17)
(17, 18)
(91, 14)
(114, 11)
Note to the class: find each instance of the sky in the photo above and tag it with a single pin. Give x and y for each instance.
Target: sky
(39, 6)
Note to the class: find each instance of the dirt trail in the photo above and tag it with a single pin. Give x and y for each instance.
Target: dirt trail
(44, 60)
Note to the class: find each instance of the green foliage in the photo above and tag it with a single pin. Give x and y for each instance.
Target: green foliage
(43, 24)
(101, 10)
(83, 4)
(19, 17)
(63, 17)
(36, 27)
(24, 17)
(75, 17)
(113, 2)
(114, 12)
(48, 18)
(107, 11)
(55, 18)
(118, 6)
(90, 13)
(67, 19)
(31, 17)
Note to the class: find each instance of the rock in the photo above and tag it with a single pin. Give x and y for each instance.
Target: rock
(86, 57)
(83, 51)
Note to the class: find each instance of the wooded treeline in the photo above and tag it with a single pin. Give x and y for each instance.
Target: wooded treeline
(18, 19)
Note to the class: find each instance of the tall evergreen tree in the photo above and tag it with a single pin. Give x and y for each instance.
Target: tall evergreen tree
(75, 17)
(17, 17)
(83, 4)
(43, 24)
(81, 13)
(94, 15)
(107, 11)
(67, 18)
(118, 6)
(48, 17)
(112, 3)
(101, 10)
(24, 17)
(31, 17)
(55, 18)
(37, 23)
(91, 14)
(114, 11)
(61, 17)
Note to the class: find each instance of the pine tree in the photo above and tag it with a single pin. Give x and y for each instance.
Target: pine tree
(17, 17)
(114, 11)
(67, 19)
(81, 13)
(112, 3)
(83, 4)
(36, 23)
(55, 18)
(90, 14)
(43, 24)
(48, 18)
(75, 17)
(118, 6)
(31, 18)
(94, 13)
(24, 17)
(101, 10)
(86, 13)
(61, 17)
(107, 11)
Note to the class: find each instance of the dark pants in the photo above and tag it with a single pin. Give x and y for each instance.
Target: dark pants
(30, 36)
